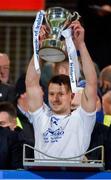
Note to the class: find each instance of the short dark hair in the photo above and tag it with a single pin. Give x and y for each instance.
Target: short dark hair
(9, 108)
(61, 79)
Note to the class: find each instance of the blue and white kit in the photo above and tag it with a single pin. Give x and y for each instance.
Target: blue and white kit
(62, 136)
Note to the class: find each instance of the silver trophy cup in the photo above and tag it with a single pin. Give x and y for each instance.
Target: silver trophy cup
(53, 49)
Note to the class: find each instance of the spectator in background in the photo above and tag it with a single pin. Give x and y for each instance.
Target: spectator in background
(7, 91)
(105, 87)
(10, 150)
(47, 70)
(8, 118)
(10, 146)
(107, 108)
(4, 68)
(22, 109)
(8, 115)
(105, 79)
(62, 67)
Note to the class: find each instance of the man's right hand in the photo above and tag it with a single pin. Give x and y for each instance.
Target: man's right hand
(43, 33)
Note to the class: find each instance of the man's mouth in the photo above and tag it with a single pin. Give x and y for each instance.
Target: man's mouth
(56, 104)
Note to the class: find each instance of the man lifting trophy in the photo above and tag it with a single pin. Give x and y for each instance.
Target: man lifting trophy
(61, 134)
(56, 42)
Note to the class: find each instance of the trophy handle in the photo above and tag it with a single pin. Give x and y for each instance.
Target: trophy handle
(72, 17)
(75, 16)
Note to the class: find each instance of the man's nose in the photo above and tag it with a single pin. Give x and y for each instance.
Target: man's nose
(56, 97)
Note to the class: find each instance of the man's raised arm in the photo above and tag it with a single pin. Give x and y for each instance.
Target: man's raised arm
(89, 95)
(33, 89)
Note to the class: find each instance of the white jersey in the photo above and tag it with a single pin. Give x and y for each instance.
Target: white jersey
(62, 136)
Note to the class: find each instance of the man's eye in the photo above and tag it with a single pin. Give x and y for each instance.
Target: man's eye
(51, 94)
(61, 94)
(6, 68)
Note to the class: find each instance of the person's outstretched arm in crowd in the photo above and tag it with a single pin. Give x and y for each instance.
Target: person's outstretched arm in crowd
(89, 95)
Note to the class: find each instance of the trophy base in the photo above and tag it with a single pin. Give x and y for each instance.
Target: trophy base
(52, 51)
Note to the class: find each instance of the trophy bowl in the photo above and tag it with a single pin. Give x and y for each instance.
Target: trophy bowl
(53, 48)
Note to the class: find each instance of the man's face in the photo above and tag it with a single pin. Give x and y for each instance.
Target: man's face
(4, 119)
(59, 98)
(4, 68)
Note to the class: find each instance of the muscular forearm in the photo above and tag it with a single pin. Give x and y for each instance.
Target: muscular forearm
(87, 65)
(32, 76)
(33, 89)
(88, 100)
